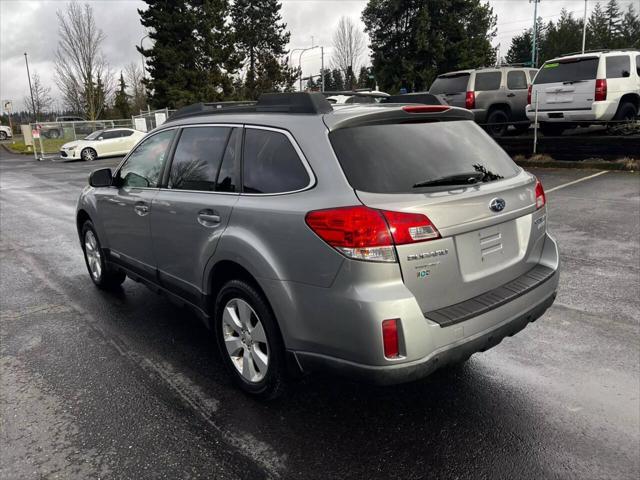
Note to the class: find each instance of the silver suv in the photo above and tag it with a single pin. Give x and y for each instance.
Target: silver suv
(378, 241)
(496, 96)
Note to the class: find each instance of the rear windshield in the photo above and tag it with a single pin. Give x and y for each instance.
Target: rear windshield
(568, 71)
(394, 158)
(450, 84)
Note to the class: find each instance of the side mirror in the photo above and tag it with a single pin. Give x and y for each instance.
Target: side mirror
(100, 138)
(101, 178)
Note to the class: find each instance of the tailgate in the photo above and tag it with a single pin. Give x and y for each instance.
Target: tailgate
(479, 249)
(567, 84)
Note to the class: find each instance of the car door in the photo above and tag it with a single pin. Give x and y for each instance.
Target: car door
(618, 69)
(517, 88)
(127, 141)
(107, 143)
(192, 210)
(126, 207)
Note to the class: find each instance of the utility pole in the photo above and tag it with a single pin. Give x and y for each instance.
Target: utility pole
(535, 31)
(584, 26)
(322, 68)
(33, 103)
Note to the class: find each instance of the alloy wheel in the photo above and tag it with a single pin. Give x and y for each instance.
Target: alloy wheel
(245, 340)
(92, 253)
(88, 154)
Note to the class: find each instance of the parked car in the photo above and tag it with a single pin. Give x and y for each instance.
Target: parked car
(102, 143)
(379, 241)
(78, 125)
(5, 132)
(496, 96)
(588, 88)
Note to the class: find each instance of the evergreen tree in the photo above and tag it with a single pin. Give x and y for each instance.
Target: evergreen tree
(337, 79)
(261, 37)
(366, 79)
(121, 99)
(329, 85)
(630, 29)
(614, 18)
(191, 59)
(413, 40)
(597, 29)
(562, 37)
(311, 85)
(520, 49)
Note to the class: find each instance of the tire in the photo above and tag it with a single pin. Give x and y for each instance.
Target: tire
(552, 129)
(88, 154)
(497, 116)
(101, 274)
(3, 135)
(626, 112)
(53, 133)
(253, 356)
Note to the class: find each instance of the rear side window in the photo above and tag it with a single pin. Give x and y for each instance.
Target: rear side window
(271, 164)
(568, 71)
(516, 80)
(395, 158)
(532, 74)
(450, 84)
(487, 81)
(197, 158)
(618, 67)
(126, 133)
(638, 64)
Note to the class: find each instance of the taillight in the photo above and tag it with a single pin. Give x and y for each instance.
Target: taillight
(364, 233)
(390, 338)
(470, 100)
(541, 198)
(425, 108)
(601, 89)
(529, 95)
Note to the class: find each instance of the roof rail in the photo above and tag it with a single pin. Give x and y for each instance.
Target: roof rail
(600, 50)
(294, 102)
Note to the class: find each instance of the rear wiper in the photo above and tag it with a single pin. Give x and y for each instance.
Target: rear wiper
(470, 178)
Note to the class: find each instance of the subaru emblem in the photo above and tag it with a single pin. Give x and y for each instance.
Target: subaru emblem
(497, 204)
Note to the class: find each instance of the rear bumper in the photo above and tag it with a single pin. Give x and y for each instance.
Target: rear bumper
(599, 112)
(342, 332)
(407, 372)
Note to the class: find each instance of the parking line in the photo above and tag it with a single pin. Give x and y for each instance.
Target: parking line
(577, 181)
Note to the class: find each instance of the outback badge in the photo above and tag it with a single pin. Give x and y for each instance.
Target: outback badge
(497, 204)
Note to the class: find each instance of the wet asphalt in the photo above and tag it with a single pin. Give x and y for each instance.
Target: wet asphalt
(125, 385)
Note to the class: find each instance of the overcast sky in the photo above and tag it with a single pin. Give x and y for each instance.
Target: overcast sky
(31, 26)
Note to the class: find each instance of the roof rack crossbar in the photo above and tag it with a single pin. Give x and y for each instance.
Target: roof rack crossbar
(598, 50)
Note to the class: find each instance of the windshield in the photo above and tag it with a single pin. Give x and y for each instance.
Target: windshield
(450, 84)
(94, 135)
(401, 158)
(573, 70)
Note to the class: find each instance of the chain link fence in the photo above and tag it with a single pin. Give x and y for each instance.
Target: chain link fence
(147, 121)
(48, 137)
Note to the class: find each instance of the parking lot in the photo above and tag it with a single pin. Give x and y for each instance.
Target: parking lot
(100, 385)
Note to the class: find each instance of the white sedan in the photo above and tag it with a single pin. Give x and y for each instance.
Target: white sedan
(102, 143)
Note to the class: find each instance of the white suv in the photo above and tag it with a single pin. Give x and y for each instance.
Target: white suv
(5, 132)
(592, 87)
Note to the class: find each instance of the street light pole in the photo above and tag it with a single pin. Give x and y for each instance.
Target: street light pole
(535, 31)
(584, 26)
(33, 103)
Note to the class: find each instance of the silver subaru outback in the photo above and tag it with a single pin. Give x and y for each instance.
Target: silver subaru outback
(378, 241)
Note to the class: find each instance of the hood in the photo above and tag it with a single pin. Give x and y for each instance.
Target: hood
(75, 143)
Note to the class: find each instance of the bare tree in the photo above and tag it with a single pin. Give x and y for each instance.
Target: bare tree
(82, 73)
(133, 76)
(348, 46)
(41, 96)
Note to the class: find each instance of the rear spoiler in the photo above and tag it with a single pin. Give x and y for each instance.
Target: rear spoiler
(389, 114)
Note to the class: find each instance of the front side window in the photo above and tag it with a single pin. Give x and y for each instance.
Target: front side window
(197, 158)
(94, 135)
(516, 80)
(487, 81)
(271, 164)
(108, 135)
(143, 167)
(618, 66)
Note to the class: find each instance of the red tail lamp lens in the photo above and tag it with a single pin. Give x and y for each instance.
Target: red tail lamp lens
(470, 100)
(541, 198)
(425, 108)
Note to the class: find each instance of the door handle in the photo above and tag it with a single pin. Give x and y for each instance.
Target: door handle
(141, 209)
(511, 95)
(208, 218)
